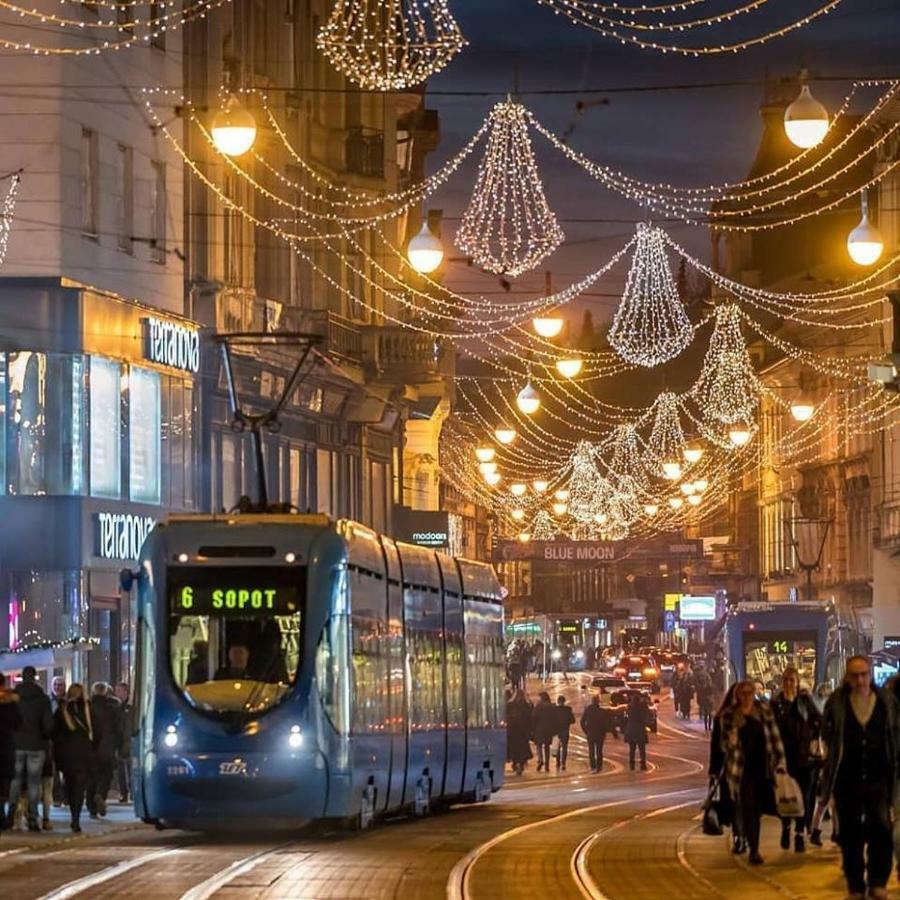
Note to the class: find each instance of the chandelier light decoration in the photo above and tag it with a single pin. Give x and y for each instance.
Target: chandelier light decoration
(508, 227)
(665, 445)
(627, 460)
(650, 326)
(542, 527)
(586, 484)
(390, 45)
(727, 390)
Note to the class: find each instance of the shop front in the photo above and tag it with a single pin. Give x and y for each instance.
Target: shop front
(99, 426)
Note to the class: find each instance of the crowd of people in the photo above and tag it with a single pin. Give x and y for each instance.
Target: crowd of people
(63, 749)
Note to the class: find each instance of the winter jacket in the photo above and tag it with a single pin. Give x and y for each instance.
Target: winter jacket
(637, 722)
(834, 721)
(799, 723)
(518, 731)
(73, 737)
(544, 722)
(596, 722)
(731, 721)
(10, 720)
(105, 715)
(37, 719)
(565, 719)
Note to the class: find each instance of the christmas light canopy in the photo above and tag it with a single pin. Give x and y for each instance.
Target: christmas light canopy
(650, 326)
(547, 326)
(425, 251)
(233, 128)
(390, 45)
(505, 435)
(508, 227)
(528, 400)
(806, 120)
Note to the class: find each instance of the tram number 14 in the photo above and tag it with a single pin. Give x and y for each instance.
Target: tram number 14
(780, 647)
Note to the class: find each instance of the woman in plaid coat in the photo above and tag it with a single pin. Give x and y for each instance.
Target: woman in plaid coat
(753, 754)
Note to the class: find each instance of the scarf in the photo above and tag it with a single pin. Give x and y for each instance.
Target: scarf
(73, 722)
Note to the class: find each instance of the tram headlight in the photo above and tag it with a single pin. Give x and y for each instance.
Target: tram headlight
(556, 654)
(171, 736)
(295, 739)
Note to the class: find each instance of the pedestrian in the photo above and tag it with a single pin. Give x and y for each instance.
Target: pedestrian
(32, 744)
(685, 693)
(543, 729)
(565, 719)
(57, 696)
(123, 752)
(73, 741)
(596, 723)
(800, 725)
(754, 754)
(703, 685)
(725, 806)
(104, 715)
(10, 720)
(860, 731)
(636, 725)
(518, 731)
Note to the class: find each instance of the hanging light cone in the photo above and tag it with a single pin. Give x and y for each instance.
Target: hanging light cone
(865, 243)
(739, 435)
(518, 514)
(528, 400)
(517, 489)
(693, 452)
(484, 454)
(505, 435)
(694, 499)
(233, 128)
(540, 486)
(671, 469)
(562, 495)
(559, 509)
(651, 509)
(487, 468)
(676, 502)
(547, 326)
(569, 368)
(425, 251)
(803, 409)
(806, 120)
(492, 478)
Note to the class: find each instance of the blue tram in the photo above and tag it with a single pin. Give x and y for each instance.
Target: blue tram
(292, 669)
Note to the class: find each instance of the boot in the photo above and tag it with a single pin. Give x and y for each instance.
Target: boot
(785, 835)
(76, 827)
(815, 837)
(799, 844)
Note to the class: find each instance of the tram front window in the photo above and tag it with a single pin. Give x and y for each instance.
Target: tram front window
(767, 655)
(234, 635)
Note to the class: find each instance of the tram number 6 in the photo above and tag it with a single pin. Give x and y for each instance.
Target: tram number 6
(187, 597)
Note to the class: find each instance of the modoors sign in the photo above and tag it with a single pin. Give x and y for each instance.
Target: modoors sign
(120, 535)
(172, 344)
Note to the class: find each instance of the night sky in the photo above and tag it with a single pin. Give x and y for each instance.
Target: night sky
(688, 137)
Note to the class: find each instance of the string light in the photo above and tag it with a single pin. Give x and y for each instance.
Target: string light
(390, 45)
(508, 227)
(666, 441)
(650, 326)
(6, 214)
(806, 120)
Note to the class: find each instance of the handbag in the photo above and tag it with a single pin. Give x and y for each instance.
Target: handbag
(712, 825)
(554, 745)
(788, 797)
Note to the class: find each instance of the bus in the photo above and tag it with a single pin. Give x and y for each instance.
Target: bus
(292, 669)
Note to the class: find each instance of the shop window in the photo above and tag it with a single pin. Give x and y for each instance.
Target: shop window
(144, 422)
(43, 404)
(106, 430)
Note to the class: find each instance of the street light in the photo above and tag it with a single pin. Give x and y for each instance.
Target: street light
(518, 488)
(548, 326)
(561, 494)
(694, 499)
(676, 502)
(700, 485)
(487, 468)
(806, 120)
(540, 485)
(524, 537)
(528, 400)
(808, 537)
(739, 435)
(560, 509)
(569, 368)
(651, 509)
(492, 478)
(425, 251)
(505, 435)
(518, 514)
(671, 469)
(692, 452)
(688, 488)
(601, 518)
(484, 454)
(865, 243)
(233, 128)
(802, 409)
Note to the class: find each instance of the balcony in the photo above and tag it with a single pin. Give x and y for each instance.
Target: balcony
(364, 152)
(890, 524)
(398, 356)
(339, 336)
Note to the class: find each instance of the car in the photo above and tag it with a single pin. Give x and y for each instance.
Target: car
(633, 667)
(620, 700)
(608, 682)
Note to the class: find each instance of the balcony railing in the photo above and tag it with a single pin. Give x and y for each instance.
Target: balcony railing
(364, 152)
(340, 337)
(890, 524)
(398, 355)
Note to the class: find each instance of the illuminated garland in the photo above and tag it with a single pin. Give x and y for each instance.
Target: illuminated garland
(543, 527)
(6, 215)
(508, 227)
(650, 326)
(70, 644)
(390, 45)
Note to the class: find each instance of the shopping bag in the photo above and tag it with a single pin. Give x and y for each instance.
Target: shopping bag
(788, 797)
(554, 745)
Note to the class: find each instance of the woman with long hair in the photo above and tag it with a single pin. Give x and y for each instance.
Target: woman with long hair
(753, 753)
(518, 731)
(73, 748)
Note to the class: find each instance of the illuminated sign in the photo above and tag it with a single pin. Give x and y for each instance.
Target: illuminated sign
(568, 629)
(431, 538)
(120, 535)
(424, 527)
(233, 591)
(671, 602)
(892, 642)
(697, 609)
(172, 344)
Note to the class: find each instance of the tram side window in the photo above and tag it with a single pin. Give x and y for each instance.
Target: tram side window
(234, 635)
(426, 701)
(455, 711)
(370, 663)
(485, 671)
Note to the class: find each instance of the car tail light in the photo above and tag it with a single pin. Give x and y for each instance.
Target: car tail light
(649, 673)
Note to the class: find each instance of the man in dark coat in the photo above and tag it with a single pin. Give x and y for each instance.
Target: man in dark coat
(518, 731)
(104, 715)
(596, 723)
(10, 720)
(123, 740)
(636, 725)
(544, 724)
(565, 719)
(32, 744)
(861, 731)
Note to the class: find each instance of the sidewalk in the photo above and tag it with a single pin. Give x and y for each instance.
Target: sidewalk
(120, 817)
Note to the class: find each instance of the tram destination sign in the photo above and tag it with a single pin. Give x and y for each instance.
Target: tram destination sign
(232, 591)
(595, 551)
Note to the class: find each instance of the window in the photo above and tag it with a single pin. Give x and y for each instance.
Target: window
(323, 482)
(369, 643)
(125, 197)
(158, 213)
(144, 423)
(89, 187)
(106, 431)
